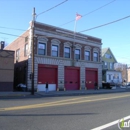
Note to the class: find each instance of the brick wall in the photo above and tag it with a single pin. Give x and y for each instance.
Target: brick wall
(19, 43)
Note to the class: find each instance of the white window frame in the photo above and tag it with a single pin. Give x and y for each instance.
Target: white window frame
(69, 52)
(57, 52)
(109, 76)
(55, 42)
(42, 49)
(108, 56)
(77, 46)
(96, 50)
(69, 45)
(105, 65)
(44, 41)
(87, 48)
(96, 57)
(111, 66)
(79, 53)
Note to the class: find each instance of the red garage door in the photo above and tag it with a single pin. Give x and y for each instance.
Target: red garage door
(47, 73)
(72, 78)
(91, 78)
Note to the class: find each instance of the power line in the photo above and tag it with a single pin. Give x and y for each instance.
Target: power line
(13, 28)
(106, 24)
(80, 31)
(11, 34)
(36, 16)
(52, 8)
(89, 12)
(64, 23)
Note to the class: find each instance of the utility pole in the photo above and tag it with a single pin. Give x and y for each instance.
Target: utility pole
(32, 27)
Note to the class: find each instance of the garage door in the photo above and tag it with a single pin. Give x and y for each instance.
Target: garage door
(91, 78)
(47, 74)
(72, 78)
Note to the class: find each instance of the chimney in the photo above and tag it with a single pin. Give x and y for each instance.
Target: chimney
(2, 45)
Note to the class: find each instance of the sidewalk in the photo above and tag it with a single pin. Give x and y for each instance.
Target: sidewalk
(60, 93)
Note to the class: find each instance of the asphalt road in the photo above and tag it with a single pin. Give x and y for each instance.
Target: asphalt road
(64, 113)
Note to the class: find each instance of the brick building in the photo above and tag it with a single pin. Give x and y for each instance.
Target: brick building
(65, 63)
(6, 69)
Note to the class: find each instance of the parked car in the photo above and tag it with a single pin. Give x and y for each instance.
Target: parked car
(128, 84)
(106, 85)
(21, 87)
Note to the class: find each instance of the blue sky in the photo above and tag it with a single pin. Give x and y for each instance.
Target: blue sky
(18, 13)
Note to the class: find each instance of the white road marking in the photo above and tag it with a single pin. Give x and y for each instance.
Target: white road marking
(110, 124)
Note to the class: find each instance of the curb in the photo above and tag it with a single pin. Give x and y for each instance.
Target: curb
(57, 94)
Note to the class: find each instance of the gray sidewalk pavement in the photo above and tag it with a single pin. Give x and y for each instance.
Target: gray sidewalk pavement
(60, 93)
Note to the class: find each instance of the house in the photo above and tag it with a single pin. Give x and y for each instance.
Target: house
(6, 69)
(109, 74)
(65, 61)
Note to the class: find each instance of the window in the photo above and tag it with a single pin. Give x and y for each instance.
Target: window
(108, 56)
(95, 56)
(105, 64)
(67, 52)
(87, 55)
(54, 50)
(41, 48)
(26, 39)
(77, 54)
(17, 54)
(111, 65)
(109, 76)
(26, 50)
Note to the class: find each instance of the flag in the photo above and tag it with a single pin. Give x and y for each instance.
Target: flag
(78, 16)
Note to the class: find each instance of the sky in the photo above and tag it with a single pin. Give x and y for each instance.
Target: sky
(17, 14)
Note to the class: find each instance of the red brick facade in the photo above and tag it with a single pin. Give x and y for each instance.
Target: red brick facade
(54, 34)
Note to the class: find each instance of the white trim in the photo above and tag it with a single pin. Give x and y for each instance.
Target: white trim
(78, 46)
(89, 55)
(55, 42)
(97, 51)
(88, 42)
(68, 44)
(44, 41)
(87, 48)
(80, 53)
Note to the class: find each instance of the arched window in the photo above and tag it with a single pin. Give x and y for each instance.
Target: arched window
(55, 47)
(87, 53)
(95, 54)
(67, 49)
(78, 51)
(42, 46)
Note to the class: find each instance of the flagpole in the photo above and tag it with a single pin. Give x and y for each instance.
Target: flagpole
(78, 16)
(75, 24)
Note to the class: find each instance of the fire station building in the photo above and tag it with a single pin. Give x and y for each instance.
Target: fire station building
(65, 60)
